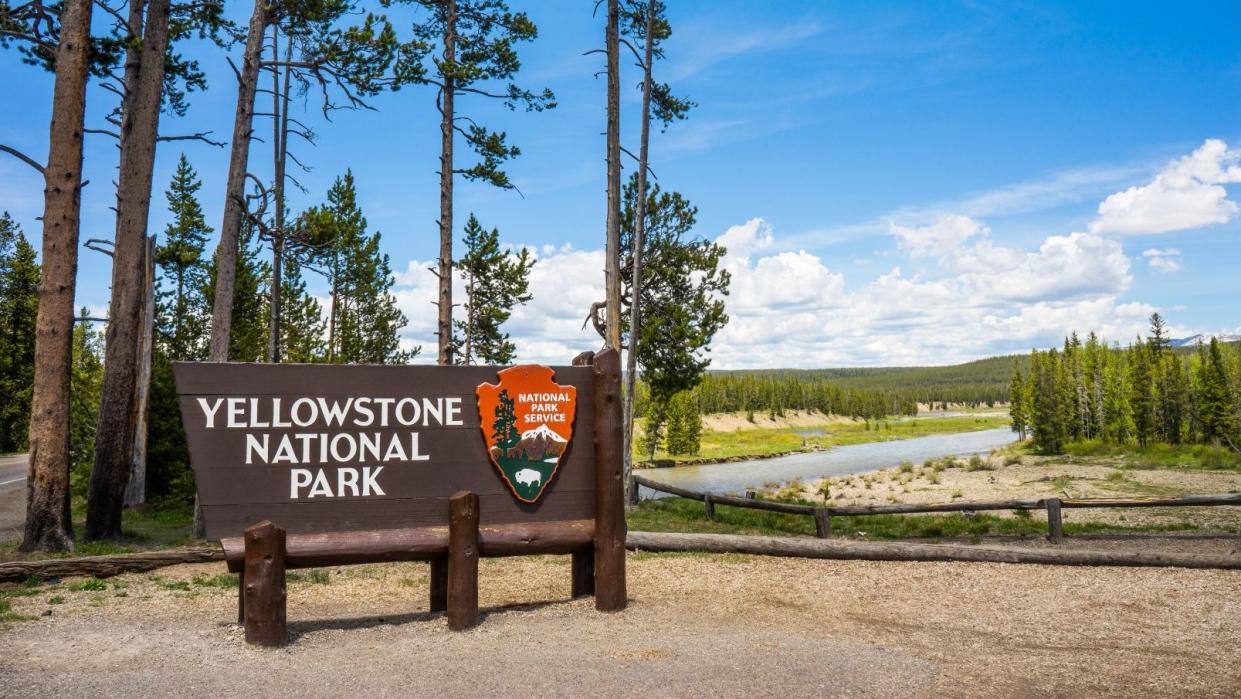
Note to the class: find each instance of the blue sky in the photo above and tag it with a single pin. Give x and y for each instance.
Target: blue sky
(898, 183)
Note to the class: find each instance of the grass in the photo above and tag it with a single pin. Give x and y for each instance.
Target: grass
(1160, 456)
(678, 515)
(146, 528)
(759, 442)
(7, 613)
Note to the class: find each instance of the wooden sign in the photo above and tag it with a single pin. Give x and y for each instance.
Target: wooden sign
(527, 423)
(321, 448)
(302, 466)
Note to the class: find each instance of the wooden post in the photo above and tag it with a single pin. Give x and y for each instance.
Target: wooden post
(265, 598)
(610, 592)
(583, 573)
(241, 597)
(631, 491)
(1055, 524)
(709, 505)
(822, 523)
(462, 561)
(439, 585)
(750, 495)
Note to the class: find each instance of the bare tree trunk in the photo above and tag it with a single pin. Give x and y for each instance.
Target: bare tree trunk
(612, 264)
(639, 243)
(444, 322)
(48, 526)
(331, 320)
(136, 488)
(280, 140)
(234, 201)
(114, 437)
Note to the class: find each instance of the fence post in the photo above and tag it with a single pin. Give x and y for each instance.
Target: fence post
(1055, 524)
(266, 618)
(710, 505)
(241, 595)
(751, 495)
(462, 561)
(632, 489)
(822, 523)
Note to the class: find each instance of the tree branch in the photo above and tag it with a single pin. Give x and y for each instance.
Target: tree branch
(22, 157)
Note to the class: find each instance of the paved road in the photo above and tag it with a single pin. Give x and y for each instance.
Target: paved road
(12, 496)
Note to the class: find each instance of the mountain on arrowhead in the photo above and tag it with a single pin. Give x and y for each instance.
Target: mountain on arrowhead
(537, 444)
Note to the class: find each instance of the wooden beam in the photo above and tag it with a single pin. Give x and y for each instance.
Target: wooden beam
(900, 551)
(266, 617)
(107, 566)
(610, 591)
(462, 561)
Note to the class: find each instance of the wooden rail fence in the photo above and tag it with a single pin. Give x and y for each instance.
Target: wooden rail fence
(823, 514)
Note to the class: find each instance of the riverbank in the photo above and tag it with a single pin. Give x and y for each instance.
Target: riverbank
(726, 438)
(726, 625)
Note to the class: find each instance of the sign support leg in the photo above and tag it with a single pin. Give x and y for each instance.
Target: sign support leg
(462, 561)
(610, 593)
(583, 573)
(265, 596)
(439, 585)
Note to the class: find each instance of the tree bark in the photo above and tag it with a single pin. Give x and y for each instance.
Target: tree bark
(280, 142)
(114, 437)
(48, 525)
(612, 264)
(639, 242)
(136, 488)
(444, 322)
(234, 194)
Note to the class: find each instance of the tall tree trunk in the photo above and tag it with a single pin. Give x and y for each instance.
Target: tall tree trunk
(280, 142)
(612, 264)
(331, 319)
(234, 193)
(114, 437)
(48, 526)
(444, 322)
(136, 488)
(639, 243)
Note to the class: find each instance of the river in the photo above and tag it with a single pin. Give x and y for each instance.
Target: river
(857, 458)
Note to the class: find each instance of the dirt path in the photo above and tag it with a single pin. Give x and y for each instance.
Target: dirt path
(697, 625)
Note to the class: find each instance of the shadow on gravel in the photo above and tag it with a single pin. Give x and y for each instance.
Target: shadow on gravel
(297, 629)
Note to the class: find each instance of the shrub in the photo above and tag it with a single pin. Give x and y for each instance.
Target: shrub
(906, 467)
(977, 463)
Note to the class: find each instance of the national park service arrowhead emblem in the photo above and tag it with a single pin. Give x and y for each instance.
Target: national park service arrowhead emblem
(527, 422)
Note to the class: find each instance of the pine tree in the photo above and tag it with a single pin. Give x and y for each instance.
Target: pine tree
(85, 389)
(1142, 399)
(182, 308)
(368, 318)
(19, 306)
(504, 427)
(1017, 402)
(1216, 407)
(684, 425)
(301, 323)
(247, 339)
(496, 281)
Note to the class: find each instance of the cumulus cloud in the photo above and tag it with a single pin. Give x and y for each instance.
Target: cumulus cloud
(1163, 259)
(1187, 193)
(939, 238)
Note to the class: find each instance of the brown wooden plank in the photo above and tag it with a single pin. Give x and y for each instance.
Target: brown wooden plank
(318, 517)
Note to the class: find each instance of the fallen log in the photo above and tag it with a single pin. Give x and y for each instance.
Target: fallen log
(899, 551)
(107, 566)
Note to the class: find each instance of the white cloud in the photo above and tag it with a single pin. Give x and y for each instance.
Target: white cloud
(1187, 193)
(939, 238)
(1163, 260)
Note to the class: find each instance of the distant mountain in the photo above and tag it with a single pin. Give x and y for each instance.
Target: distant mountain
(542, 431)
(1204, 339)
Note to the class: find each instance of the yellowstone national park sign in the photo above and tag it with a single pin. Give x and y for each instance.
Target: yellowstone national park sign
(320, 448)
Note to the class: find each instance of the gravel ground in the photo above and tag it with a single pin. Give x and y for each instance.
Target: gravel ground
(696, 625)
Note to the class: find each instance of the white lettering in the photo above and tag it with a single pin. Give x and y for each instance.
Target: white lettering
(454, 411)
(368, 481)
(296, 412)
(347, 478)
(254, 414)
(335, 414)
(321, 486)
(253, 446)
(236, 412)
(300, 478)
(210, 411)
(276, 422)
